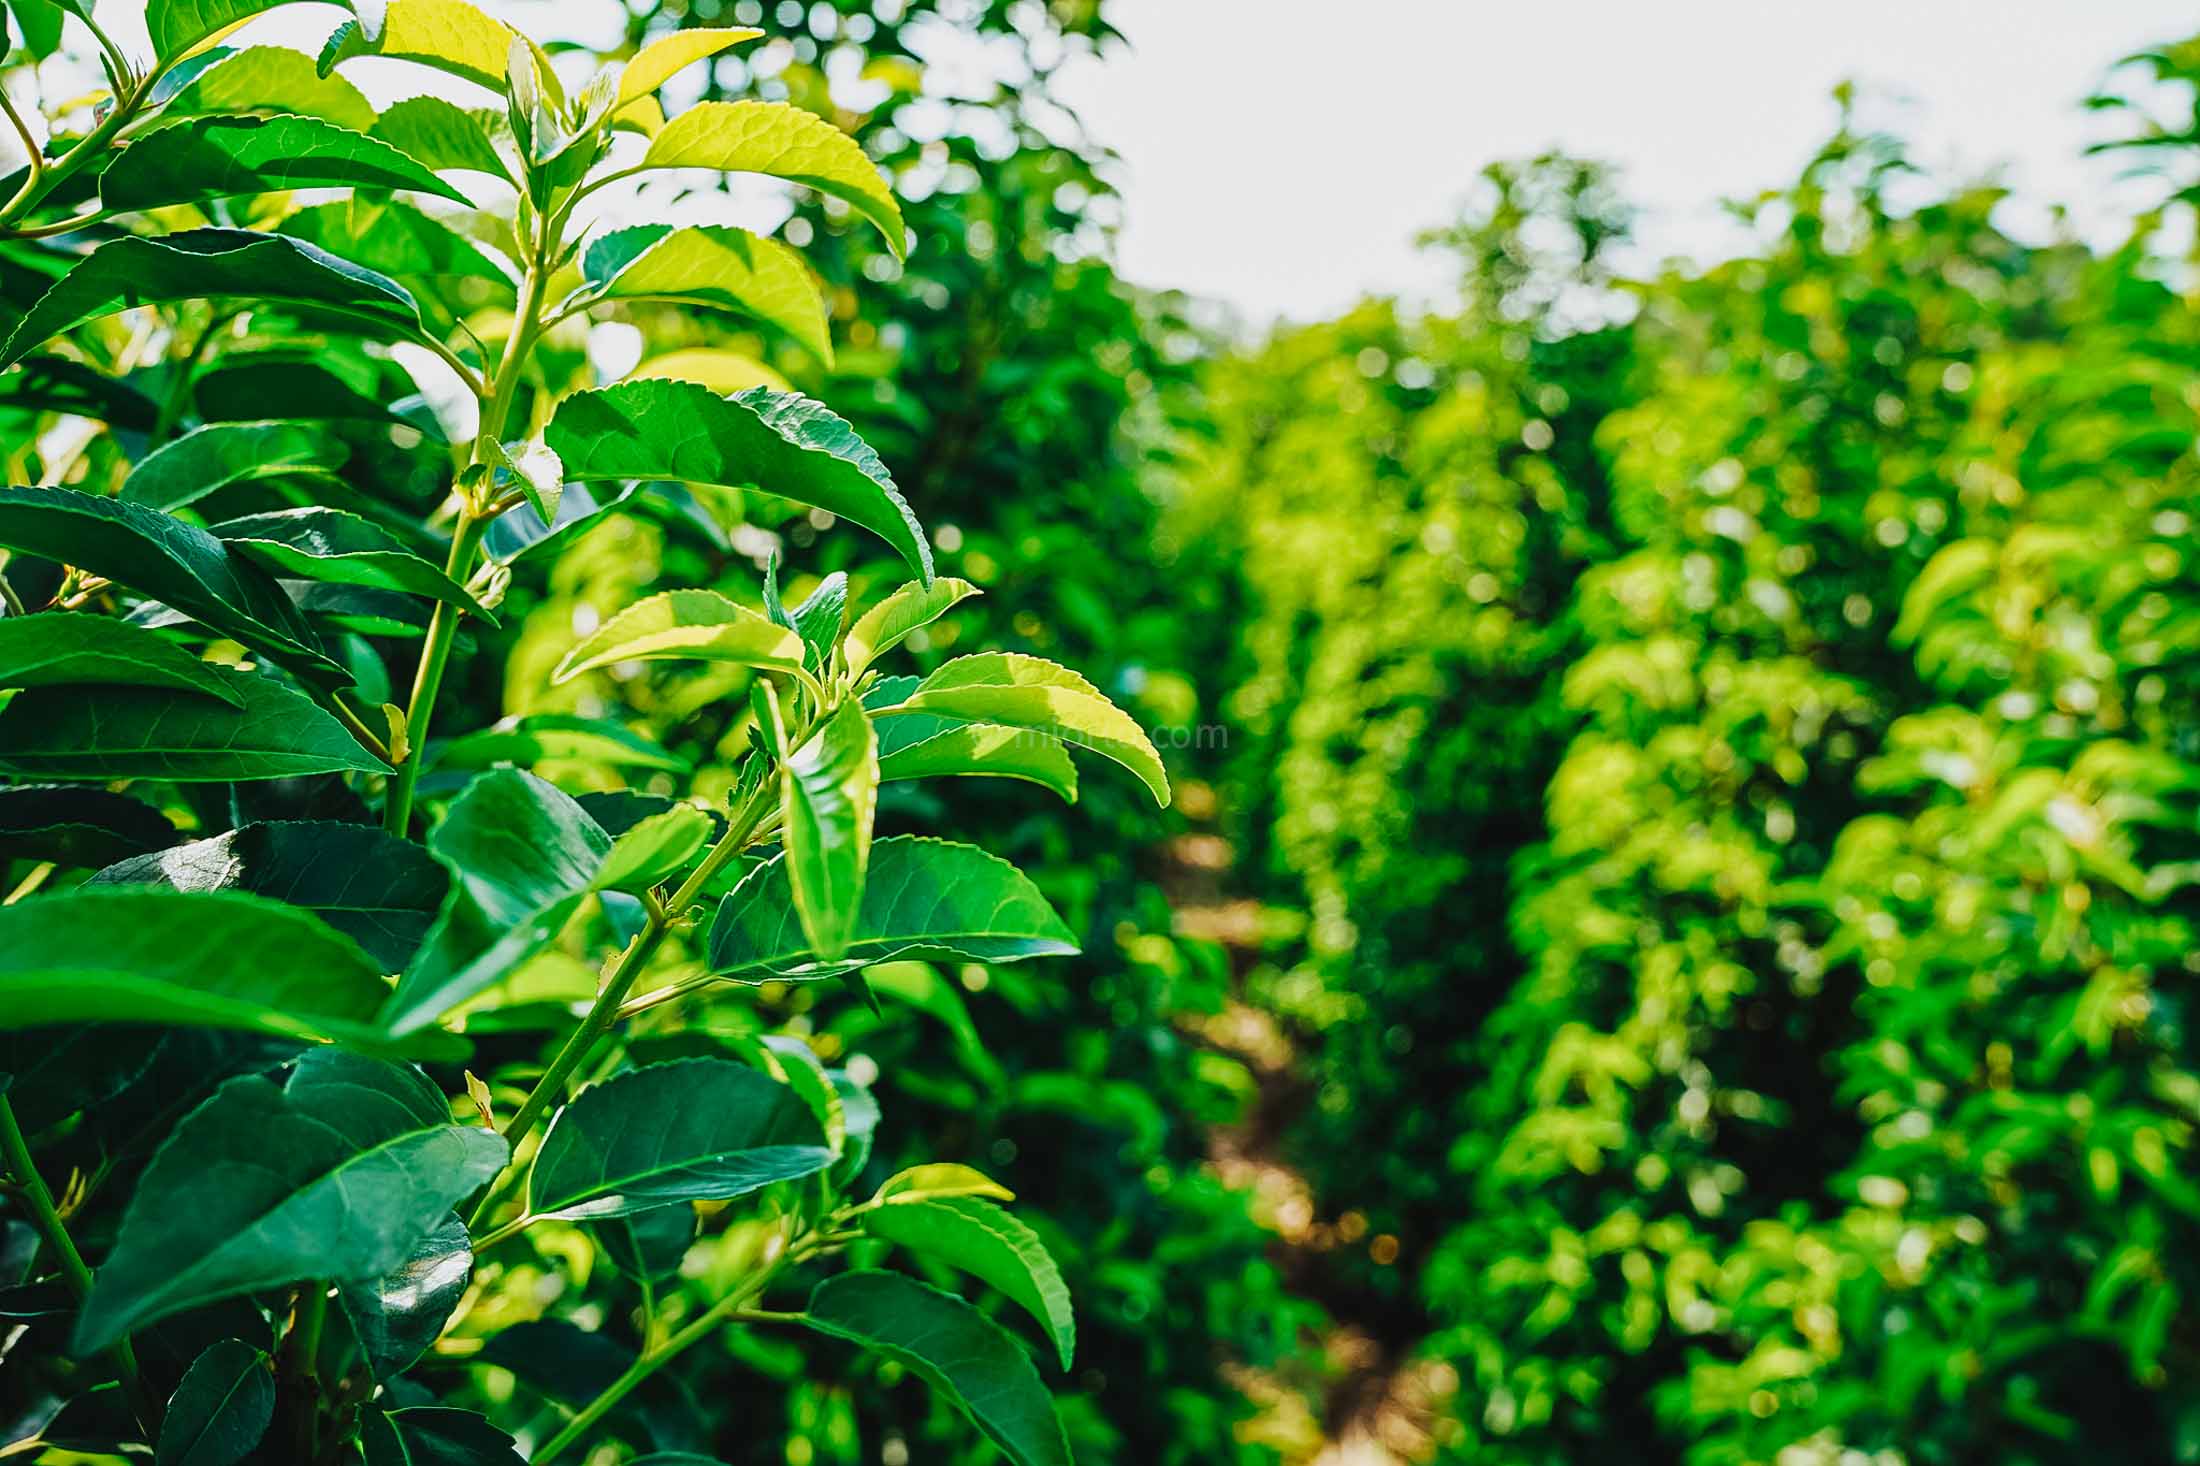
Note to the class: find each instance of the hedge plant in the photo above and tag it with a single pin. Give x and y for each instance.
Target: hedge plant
(261, 907)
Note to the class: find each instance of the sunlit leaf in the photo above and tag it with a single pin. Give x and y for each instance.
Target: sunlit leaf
(922, 897)
(785, 142)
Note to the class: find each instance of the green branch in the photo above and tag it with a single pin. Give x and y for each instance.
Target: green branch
(15, 1152)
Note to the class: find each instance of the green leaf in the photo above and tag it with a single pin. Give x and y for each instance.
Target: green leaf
(74, 825)
(955, 1349)
(523, 856)
(713, 265)
(779, 442)
(336, 1174)
(819, 618)
(699, 625)
(991, 1245)
(331, 545)
(790, 1060)
(178, 25)
(888, 624)
(828, 802)
(441, 135)
(204, 264)
(689, 1130)
(263, 79)
(393, 238)
(157, 733)
(399, 1315)
(656, 63)
(210, 960)
(220, 1410)
(650, 1244)
(1018, 691)
(924, 897)
(785, 142)
(942, 1179)
(224, 453)
(380, 891)
(180, 564)
(449, 35)
(659, 847)
(946, 747)
(208, 158)
(925, 988)
(64, 648)
(528, 741)
(435, 1435)
(535, 469)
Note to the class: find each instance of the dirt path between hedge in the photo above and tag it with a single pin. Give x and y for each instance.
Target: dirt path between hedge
(1365, 1406)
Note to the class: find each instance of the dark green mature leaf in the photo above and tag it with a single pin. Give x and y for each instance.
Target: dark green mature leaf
(441, 134)
(64, 649)
(50, 1074)
(203, 264)
(828, 802)
(336, 1174)
(780, 442)
(523, 856)
(51, 384)
(218, 960)
(331, 385)
(392, 238)
(700, 625)
(75, 825)
(331, 545)
(924, 897)
(647, 1244)
(263, 79)
(433, 1435)
(179, 564)
(220, 454)
(923, 748)
(1018, 691)
(790, 1060)
(208, 158)
(713, 265)
(380, 891)
(538, 736)
(955, 1348)
(399, 1315)
(220, 1410)
(689, 1130)
(159, 733)
(889, 623)
(785, 142)
(991, 1245)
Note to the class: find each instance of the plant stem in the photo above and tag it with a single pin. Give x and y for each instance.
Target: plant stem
(63, 167)
(435, 656)
(726, 1310)
(31, 150)
(472, 524)
(15, 1152)
(605, 1011)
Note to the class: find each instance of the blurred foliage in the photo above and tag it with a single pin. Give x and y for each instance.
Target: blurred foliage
(1733, 738)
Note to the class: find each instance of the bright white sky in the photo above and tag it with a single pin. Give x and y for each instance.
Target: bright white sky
(1280, 155)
